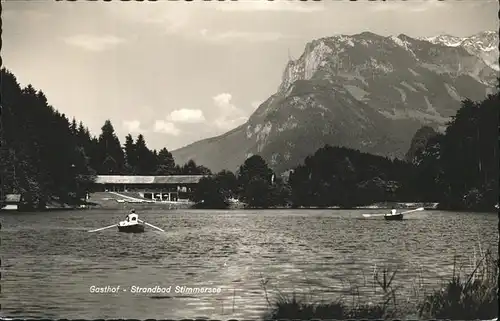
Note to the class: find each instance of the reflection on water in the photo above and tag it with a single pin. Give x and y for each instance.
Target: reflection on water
(49, 261)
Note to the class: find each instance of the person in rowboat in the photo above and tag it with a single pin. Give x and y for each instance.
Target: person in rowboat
(393, 211)
(127, 218)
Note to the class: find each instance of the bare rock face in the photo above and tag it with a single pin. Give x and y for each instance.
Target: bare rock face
(364, 91)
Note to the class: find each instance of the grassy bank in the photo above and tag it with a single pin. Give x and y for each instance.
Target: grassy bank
(110, 201)
(469, 296)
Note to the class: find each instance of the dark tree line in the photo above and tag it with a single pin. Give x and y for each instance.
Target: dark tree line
(333, 176)
(459, 168)
(135, 158)
(47, 158)
(40, 157)
(336, 176)
(254, 183)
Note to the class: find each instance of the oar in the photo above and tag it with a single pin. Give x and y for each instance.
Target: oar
(103, 228)
(151, 225)
(370, 215)
(415, 210)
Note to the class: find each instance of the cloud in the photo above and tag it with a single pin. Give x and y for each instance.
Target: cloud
(30, 15)
(132, 126)
(233, 35)
(187, 116)
(385, 6)
(172, 17)
(173, 20)
(93, 42)
(229, 124)
(415, 6)
(190, 22)
(229, 116)
(165, 127)
(260, 5)
(427, 5)
(256, 104)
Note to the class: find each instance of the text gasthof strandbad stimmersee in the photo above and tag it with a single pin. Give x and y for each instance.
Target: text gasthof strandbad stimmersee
(178, 289)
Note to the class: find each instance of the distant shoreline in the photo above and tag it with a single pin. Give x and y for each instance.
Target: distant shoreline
(122, 204)
(185, 205)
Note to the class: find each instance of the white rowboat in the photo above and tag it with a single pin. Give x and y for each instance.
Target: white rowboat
(132, 224)
(394, 217)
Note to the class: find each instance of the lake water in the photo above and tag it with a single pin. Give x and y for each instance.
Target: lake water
(49, 261)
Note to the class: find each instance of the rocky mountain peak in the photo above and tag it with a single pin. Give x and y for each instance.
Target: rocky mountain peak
(331, 56)
(362, 91)
(483, 45)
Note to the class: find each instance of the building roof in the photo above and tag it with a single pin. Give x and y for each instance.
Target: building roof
(178, 179)
(12, 198)
(170, 179)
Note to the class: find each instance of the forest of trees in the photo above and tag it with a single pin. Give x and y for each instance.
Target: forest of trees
(254, 183)
(46, 157)
(459, 169)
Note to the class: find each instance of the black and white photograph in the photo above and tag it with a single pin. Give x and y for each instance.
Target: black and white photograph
(249, 160)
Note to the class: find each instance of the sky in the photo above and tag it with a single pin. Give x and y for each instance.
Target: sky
(178, 72)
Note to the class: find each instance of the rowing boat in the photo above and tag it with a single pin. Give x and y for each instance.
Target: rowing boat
(394, 217)
(132, 224)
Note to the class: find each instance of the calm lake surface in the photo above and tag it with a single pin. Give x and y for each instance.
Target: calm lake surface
(49, 261)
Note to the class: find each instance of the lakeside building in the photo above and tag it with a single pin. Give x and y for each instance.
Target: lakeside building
(161, 188)
(10, 201)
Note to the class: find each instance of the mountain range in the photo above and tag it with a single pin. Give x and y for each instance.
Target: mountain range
(364, 91)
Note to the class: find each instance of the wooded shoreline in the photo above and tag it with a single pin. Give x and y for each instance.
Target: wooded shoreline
(162, 206)
(457, 169)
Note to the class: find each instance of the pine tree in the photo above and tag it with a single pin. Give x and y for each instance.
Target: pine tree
(166, 163)
(130, 155)
(110, 155)
(146, 161)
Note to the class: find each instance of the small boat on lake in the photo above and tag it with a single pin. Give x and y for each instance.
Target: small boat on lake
(131, 224)
(394, 216)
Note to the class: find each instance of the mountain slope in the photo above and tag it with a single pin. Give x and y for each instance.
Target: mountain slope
(364, 91)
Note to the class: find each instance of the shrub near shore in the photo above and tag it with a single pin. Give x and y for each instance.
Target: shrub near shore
(474, 296)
